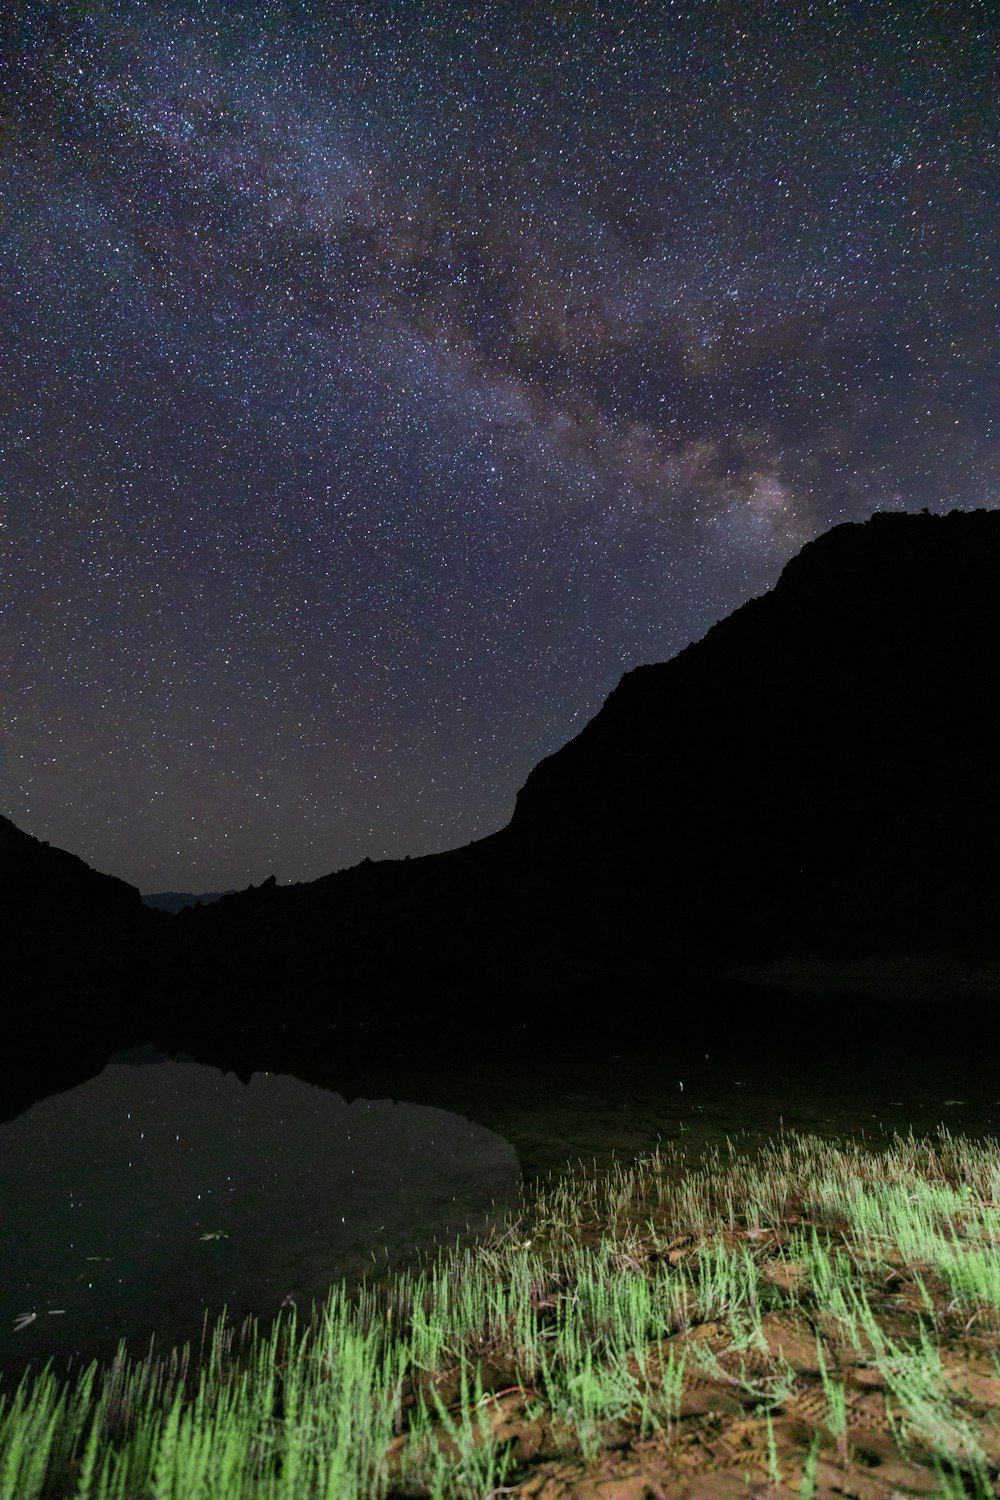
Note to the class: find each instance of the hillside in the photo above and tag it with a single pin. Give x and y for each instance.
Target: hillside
(818, 775)
(67, 930)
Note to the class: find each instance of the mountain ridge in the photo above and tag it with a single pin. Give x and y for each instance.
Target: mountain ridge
(816, 774)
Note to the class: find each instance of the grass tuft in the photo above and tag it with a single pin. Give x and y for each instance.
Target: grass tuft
(614, 1311)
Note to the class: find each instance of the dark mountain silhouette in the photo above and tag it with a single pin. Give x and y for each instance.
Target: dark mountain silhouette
(72, 936)
(817, 775)
(821, 768)
(175, 901)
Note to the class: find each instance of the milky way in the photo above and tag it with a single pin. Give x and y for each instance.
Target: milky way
(382, 381)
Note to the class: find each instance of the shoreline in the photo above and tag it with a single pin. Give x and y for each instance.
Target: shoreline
(929, 978)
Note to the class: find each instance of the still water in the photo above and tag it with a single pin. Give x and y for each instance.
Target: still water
(165, 1188)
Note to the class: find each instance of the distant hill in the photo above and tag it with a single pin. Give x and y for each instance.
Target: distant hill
(175, 901)
(819, 774)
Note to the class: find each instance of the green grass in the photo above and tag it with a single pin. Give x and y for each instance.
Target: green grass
(577, 1304)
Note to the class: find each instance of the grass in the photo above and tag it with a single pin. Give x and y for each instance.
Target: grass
(629, 1317)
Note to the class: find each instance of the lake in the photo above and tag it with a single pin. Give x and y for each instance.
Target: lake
(254, 1171)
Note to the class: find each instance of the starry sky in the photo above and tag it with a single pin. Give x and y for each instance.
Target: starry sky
(382, 381)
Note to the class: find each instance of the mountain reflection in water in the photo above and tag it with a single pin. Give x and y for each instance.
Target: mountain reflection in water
(150, 1194)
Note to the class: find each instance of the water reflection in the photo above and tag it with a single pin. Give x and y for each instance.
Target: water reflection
(162, 1188)
(150, 1193)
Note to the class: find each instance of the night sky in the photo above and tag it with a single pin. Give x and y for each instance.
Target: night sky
(382, 381)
